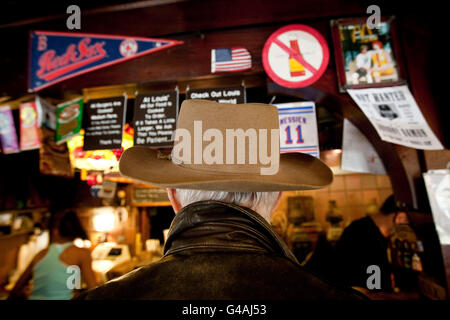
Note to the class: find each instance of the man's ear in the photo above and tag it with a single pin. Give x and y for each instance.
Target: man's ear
(173, 199)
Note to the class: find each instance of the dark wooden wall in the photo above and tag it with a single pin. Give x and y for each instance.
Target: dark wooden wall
(204, 25)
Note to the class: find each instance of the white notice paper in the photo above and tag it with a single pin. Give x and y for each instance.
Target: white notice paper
(396, 116)
(46, 113)
(358, 154)
(438, 189)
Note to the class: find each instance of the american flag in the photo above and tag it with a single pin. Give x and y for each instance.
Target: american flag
(228, 60)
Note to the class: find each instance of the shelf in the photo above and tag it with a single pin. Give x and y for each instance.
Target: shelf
(15, 234)
(36, 213)
(24, 210)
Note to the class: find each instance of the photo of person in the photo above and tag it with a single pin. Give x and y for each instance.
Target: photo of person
(387, 111)
(382, 63)
(367, 54)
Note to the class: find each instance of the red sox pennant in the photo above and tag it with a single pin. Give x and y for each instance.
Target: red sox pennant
(57, 56)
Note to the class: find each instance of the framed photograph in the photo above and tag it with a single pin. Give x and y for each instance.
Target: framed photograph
(365, 57)
(300, 209)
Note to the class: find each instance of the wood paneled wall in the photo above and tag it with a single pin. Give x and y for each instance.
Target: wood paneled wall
(204, 25)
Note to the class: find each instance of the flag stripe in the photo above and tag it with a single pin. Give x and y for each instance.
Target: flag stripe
(240, 68)
(230, 63)
(232, 68)
(233, 64)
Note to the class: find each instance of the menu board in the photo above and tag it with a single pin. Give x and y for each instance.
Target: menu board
(149, 196)
(104, 120)
(232, 95)
(155, 116)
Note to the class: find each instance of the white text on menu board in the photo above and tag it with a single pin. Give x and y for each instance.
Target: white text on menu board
(155, 128)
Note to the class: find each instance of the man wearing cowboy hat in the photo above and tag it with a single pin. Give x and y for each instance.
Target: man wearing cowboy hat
(224, 177)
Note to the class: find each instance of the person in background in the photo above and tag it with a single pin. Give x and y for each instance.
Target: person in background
(364, 243)
(382, 64)
(49, 268)
(363, 66)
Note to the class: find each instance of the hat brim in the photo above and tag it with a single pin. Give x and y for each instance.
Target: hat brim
(297, 171)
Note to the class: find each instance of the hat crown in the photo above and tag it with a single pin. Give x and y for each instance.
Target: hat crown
(226, 138)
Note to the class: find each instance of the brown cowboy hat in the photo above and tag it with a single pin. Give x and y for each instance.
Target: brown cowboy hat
(204, 156)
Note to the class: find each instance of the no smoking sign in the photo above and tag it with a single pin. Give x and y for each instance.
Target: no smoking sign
(295, 56)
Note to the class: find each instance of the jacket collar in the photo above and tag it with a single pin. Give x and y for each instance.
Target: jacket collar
(219, 226)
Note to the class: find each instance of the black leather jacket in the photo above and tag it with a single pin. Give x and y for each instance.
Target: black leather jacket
(221, 251)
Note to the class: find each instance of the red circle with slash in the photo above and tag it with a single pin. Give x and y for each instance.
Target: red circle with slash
(296, 55)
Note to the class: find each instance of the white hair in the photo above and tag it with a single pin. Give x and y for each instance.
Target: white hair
(261, 202)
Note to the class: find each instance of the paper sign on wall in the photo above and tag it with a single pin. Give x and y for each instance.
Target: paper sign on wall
(396, 116)
(8, 135)
(68, 119)
(54, 158)
(234, 95)
(29, 126)
(437, 183)
(358, 154)
(108, 190)
(298, 128)
(48, 113)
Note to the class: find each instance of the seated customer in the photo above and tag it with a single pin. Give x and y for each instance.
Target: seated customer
(364, 243)
(49, 268)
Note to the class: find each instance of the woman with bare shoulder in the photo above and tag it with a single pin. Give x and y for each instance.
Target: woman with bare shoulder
(54, 269)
